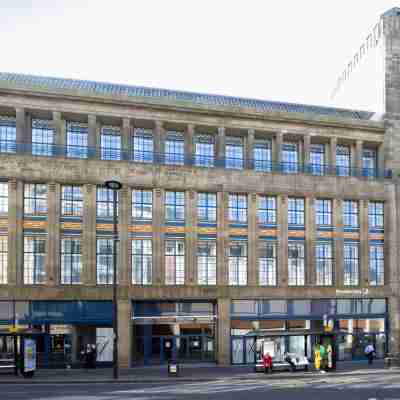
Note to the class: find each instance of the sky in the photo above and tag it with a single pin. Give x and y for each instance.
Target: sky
(283, 50)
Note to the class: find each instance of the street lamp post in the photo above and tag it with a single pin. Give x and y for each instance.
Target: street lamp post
(115, 186)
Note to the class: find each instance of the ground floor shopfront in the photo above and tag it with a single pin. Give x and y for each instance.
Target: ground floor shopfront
(225, 331)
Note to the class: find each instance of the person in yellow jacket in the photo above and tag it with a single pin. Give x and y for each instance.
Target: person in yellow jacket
(317, 357)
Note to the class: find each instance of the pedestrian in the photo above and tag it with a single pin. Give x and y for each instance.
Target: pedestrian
(323, 354)
(369, 352)
(329, 352)
(317, 357)
(267, 363)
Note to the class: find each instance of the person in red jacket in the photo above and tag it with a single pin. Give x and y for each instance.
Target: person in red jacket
(267, 362)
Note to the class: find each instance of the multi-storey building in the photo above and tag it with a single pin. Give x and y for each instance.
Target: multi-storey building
(238, 219)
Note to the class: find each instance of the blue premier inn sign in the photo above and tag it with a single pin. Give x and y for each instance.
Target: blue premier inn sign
(29, 355)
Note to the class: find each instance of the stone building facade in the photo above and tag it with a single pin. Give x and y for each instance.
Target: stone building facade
(239, 221)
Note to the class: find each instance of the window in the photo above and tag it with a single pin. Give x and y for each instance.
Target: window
(8, 135)
(174, 206)
(350, 214)
(42, 137)
(204, 151)
(343, 160)
(238, 264)
(267, 263)
(266, 210)
(105, 202)
(207, 207)
(351, 262)
(3, 198)
(3, 259)
(104, 261)
(324, 263)
(376, 265)
(142, 145)
(71, 201)
(175, 262)
(237, 207)
(174, 148)
(290, 158)
(71, 261)
(295, 211)
(142, 204)
(323, 210)
(375, 214)
(369, 162)
(234, 152)
(262, 155)
(35, 199)
(110, 143)
(34, 260)
(142, 261)
(317, 159)
(207, 262)
(77, 140)
(296, 270)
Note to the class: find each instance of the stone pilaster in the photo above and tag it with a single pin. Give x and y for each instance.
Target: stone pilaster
(364, 244)
(21, 125)
(124, 218)
(381, 160)
(394, 321)
(53, 235)
(89, 234)
(124, 333)
(189, 143)
(332, 153)
(306, 149)
(158, 237)
(159, 139)
(126, 138)
(220, 143)
(249, 149)
(252, 236)
(311, 236)
(223, 331)
(391, 225)
(191, 237)
(358, 161)
(60, 131)
(93, 137)
(338, 241)
(222, 238)
(282, 234)
(277, 150)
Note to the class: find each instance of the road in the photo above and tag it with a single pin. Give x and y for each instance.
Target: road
(367, 387)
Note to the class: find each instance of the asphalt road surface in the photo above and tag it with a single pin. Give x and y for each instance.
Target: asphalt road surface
(317, 387)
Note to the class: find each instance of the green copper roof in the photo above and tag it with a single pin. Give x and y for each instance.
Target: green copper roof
(111, 89)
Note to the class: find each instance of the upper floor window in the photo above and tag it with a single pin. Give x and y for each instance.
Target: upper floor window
(351, 264)
(204, 150)
(174, 148)
(324, 263)
(317, 159)
(376, 265)
(350, 214)
(237, 207)
(35, 199)
(207, 262)
(207, 207)
(42, 137)
(142, 204)
(105, 202)
(142, 261)
(290, 158)
(3, 260)
(375, 214)
(77, 140)
(262, 154)
(234, 152)
(343, 161)
(34, 260)
(3, 198)
(295, 211)
(8, 135)
(296, 269)
(267, 210)
(105, 261)
(71, 201)
(71, 261)
(174, 262)
(174, 206)
(238, 263)
(267, 264)
(143, 145)
(323, 211)
(110, 143)
(369, 162)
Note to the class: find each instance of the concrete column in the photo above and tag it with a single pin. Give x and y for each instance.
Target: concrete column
(124, 333)
(224, 334)
(159, 139)
(338, 240)
(126, 138)
(15, 231)
(124, 218)
(252, 237)
(249, 149)
(53, 235)
(89, 234)
(277, 150)
(220, 144)
(332, 153)
(364, 243)
(190, 237)
(282, 234)
(306, 149)
(158, 237)
(222, 238)
(189, 144)
(311, 235)
(359, 152)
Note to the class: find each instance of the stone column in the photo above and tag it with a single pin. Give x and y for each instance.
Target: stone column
(21, 125)
(306, 150)
(332, 154)
(126, 138)
(311, 236)
(249, 149)
(391, 225)
(60, 132)
(220, 146)
(282, 234)
(189, 144)
(224, 334)
(53, 272)
(89, 234)
(222, 239)
(124, 218)
(359, 151)
(159, 134)
(124, 333)
(394, 321)
(338, 240)
(381, 160)
(277, 151)
(158, 237)
(190, 237)
(93, 136)
(15, 232)
(364, 243)
(252, 237)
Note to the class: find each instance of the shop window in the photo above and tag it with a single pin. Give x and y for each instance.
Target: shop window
(301, 307)
(243, 307)
(273, 307)
(3, 198)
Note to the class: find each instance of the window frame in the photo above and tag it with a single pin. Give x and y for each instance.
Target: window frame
(207, 206)
(107, 203)
(176, 207)
(8, 134)
(34, 205)
(296, 214)
(3, 259)
(237, 208)
(266, 210)
(76, 204)
(135, 205)
(142, 143)
(174, 141)
(351, 265)
(350, 213)
(374, 215)
(35, 261)
(206, 263)
(238, 265)
(3, 198)
(77, 140)
(324, 214)
(267, 266)
(177, 265)
(324, 263)
(71, 261)
(296, 265)
(41, 128)
(376, 264)
(110, 150)
(142, 273)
